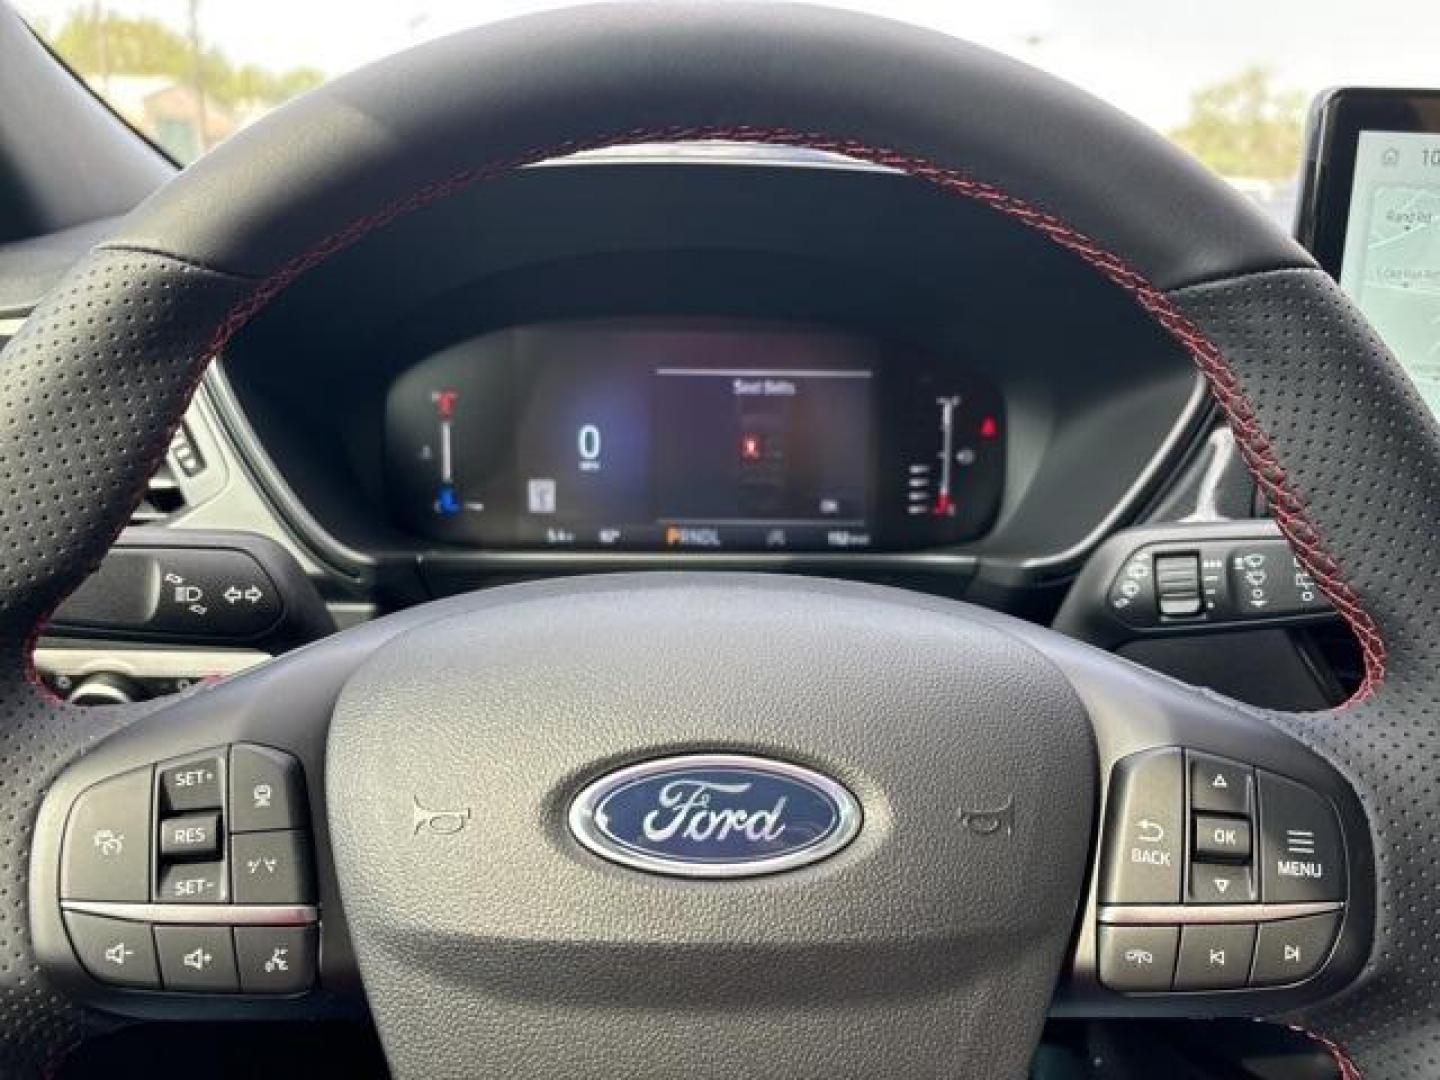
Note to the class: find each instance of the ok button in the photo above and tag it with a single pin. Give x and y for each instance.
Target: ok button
(1224, 838)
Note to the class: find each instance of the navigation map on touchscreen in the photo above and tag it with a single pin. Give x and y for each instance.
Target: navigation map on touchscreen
(1391, 265)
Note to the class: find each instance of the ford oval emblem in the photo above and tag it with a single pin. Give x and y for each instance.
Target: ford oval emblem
(714, 816)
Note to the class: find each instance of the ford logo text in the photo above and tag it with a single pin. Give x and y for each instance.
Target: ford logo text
(714, 816)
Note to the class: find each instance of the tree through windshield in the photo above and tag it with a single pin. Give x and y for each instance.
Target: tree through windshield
(1226, 79)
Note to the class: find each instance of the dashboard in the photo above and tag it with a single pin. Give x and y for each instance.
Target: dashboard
(733, 359)
(703, 435)
(709, 358)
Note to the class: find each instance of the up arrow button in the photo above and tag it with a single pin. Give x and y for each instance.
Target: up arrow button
(1218, 785)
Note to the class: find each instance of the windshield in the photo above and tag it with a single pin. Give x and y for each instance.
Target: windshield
(1226, 79)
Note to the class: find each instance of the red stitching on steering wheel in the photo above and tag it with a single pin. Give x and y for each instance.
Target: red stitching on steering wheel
(1344, 1064)
(1285, 502)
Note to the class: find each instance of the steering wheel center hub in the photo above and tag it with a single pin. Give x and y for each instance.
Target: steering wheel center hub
(707, 728)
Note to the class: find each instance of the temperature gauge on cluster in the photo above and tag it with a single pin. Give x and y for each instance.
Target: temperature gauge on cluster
(447, 495)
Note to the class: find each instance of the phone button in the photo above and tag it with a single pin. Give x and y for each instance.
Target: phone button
(1138, 959)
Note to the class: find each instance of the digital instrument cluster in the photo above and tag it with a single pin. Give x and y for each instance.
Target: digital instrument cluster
(692, 435)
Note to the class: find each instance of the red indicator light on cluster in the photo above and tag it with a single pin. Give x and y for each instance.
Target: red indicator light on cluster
(989, 428)
(750, 447)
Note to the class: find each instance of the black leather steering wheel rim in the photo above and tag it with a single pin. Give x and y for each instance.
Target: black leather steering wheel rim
(1347, 455)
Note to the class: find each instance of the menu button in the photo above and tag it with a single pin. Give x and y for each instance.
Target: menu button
(1302, 855)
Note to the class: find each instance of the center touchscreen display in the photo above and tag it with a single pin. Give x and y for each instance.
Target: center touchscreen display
(1391, 262)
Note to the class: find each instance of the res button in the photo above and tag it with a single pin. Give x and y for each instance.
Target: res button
(194, 836)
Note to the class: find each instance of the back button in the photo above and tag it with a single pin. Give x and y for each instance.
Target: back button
(1144, 829)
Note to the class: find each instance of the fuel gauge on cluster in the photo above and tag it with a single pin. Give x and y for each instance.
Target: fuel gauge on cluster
(947, 485)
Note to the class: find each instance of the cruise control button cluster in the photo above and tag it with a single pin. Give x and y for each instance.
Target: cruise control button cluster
(190, 860)
(201, 834)
(1225, 835)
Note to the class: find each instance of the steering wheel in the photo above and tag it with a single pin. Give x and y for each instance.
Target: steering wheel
(995, 779)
